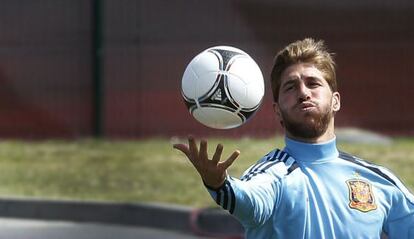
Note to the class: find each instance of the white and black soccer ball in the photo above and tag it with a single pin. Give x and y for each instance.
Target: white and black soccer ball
(222, 87)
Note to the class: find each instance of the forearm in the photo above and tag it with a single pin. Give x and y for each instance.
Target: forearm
(246, 201)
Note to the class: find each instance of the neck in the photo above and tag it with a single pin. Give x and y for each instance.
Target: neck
(328, 135)
(316, 140)
(302, 151)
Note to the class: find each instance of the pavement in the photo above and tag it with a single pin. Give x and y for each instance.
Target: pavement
(38, 218)
(40, 229)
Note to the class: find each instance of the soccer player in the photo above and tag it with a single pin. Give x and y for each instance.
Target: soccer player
(308, 189)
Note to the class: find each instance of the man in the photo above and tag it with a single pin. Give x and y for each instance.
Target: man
(309, 189)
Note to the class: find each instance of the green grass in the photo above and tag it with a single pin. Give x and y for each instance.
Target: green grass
(145, 170)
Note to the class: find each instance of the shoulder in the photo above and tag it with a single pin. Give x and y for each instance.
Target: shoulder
(374, 168)
(379, 171)
(277, 163)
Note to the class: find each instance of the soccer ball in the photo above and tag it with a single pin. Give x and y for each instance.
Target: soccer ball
(222, 87)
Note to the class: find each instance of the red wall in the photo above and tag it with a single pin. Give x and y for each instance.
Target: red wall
(46, 75)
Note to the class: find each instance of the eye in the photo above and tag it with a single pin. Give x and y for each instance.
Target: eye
(289, 87)
(314, 83)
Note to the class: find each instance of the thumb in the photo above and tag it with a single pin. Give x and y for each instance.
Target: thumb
(226, 164)
(183, 148)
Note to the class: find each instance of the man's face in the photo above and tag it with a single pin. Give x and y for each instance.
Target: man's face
(306, 103)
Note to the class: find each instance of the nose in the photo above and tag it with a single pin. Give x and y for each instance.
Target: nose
(304, 93)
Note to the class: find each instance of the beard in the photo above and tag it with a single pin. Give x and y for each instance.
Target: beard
(314, 125)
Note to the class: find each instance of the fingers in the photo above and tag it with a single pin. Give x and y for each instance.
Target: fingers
(217, 154)
(203, 150)
(191, 150)
(199, 158)
(226, 164)
(193, 147)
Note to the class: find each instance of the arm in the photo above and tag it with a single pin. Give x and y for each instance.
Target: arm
(400, 221)
(252, 201)
(401, 227)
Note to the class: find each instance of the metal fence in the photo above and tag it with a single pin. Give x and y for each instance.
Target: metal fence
(112, 68)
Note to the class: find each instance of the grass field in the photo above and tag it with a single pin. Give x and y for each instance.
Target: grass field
(145, 170)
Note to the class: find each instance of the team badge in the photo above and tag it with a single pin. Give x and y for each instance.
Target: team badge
(361, 196)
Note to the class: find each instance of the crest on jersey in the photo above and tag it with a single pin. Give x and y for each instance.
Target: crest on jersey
(361, 196)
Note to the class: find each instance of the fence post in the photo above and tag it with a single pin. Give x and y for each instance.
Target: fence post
(97, 76)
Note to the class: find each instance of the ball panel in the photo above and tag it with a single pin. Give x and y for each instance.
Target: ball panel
(254, 96)
(225, 57)
(206, 84)
(220, 96)
(247, 69)
(248, 90)
(205, 62)
(217, 118)
(191, 104)
(195, 82)
(237, 90)
(188, 88)
(228, 48)
(247, 114)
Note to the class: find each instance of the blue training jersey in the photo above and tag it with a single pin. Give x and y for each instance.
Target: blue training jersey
(315, 191)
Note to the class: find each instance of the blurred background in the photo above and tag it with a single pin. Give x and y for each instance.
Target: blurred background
(85, 68)
(73, 72)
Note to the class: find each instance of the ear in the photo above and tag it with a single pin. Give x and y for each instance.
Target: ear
(276, 108)
(336, 102)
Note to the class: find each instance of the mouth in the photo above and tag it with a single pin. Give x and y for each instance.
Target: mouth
(306, 106)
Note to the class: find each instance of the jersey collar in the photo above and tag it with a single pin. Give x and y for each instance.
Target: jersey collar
(301, 151)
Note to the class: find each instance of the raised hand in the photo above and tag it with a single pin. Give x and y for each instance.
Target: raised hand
(212, 171)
